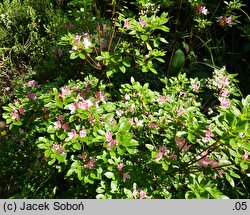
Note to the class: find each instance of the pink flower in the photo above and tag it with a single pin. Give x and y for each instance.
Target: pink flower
(196, 87)
(132, 108)
(131, 121)
(73, 107)
(72, 134)
(58, 148)
(143, 194)
(181, 143)
(22, 110)
(180, 112)
(31, 83)
(224, 92)
(83, 133)
(208, 135)
(139, 123)
(84, 155)
(224, 103)
(135, 193)
(65, 126)
(100, 95)
(126, 176)
(109, 136)
(77, 39)
(120, 166)
(203, 160)
(112, 143)
(60, 118)
(245, 156)
(126, 23)
(225, 20)
(57, 124)
(161, 99)
(91, 118)
(202, 10)
(161, 152)
(74, 48)
(142, 22)
(31, 96)
(127, 97)
(229, 20)
(172, 156)
(84, 104)
(15, 115)
(119, 112)
(91, 163)
(110, 140)
(104, 27)
(146, 56)
(65, 91)
(86, 42)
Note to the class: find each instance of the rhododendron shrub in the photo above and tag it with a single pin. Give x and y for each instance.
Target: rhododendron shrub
(177, 143)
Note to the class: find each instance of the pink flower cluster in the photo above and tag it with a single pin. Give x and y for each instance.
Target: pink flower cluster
(58, 148)
(139, 193)
(162, 150)
(111, 141)
(83, 104)
(78, 41)
(16, 113)
(223, 84)
(204, 161)
(181, 143)
(32, 83)
(225, 20)
(32, 96)
(208, 135)
(126, 175)
(73, 133)
(91, 163)
(202, 10)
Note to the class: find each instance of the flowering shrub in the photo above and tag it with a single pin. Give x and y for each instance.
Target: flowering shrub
(173, 144)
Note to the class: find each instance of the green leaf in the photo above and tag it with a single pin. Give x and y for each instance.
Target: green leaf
(52, 161)
(73, 56)
(178, 60)
(122, 68)
(82, 56)
(79, 175)
(165, 166)
(150, 147)
(77, 146)
(61, 158)
(51, 129)
(153, 70)
(109, 107)
(128, 193)
(47, 153)
(163, 40)
(160, 60)
(113, 186)
(100, 190)
(126, 62)
(72, 118)
(144, 37)
(230, 180)
(109, 175)
(100, 196)
(42, 146)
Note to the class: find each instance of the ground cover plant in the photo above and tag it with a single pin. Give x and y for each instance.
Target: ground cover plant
(145, 109)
